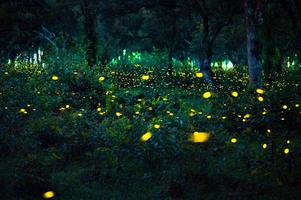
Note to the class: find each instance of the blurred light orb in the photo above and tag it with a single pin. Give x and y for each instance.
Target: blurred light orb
(55, 78)
(260, 91)
(146, 136)
(207, 95)
(199, 74)
(233, 140)
(145, 77)
(102, 78)
(48, 195)
(157, 126)
(199, 137)
(260, 99)
(234, 94)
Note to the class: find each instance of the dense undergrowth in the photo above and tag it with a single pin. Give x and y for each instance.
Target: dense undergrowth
(77, 132)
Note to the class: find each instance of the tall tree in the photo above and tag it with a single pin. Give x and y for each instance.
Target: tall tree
(216, 15)
(253, 16)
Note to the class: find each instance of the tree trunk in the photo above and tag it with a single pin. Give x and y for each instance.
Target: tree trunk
(90, 18)
(205, 66)
(253, 17)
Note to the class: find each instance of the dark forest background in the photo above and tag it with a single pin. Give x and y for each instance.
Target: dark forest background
(150, 99)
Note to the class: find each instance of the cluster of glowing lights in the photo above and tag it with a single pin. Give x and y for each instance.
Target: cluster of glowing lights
(23, 111)
(99, 110)
(247, 116)
(199, 137)
(64, 108)
(169, 113)
(196, 137)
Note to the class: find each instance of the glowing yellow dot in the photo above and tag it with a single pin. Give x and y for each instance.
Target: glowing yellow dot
(264, 146)
(224, 117)
(207, 95)
(67, 106)
(199, 137)
(191, 114)
(260, 91)
(264, 113)
(288, 141)
(247, 116)
(286, 151)
(137, 112)
(55, 78)
(48, 195)
(234, 94)
(118, 114)
(102, 78)
(22, 110)
(269, 130)
(297, 105)
(209, 116)
(146, 136)
(157, 126)
(260, 99)
(98, 109)
(145, 77)
(284, 107)
(233, 140)
(199, 74)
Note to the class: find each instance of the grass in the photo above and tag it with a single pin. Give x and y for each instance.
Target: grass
(63, 134)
